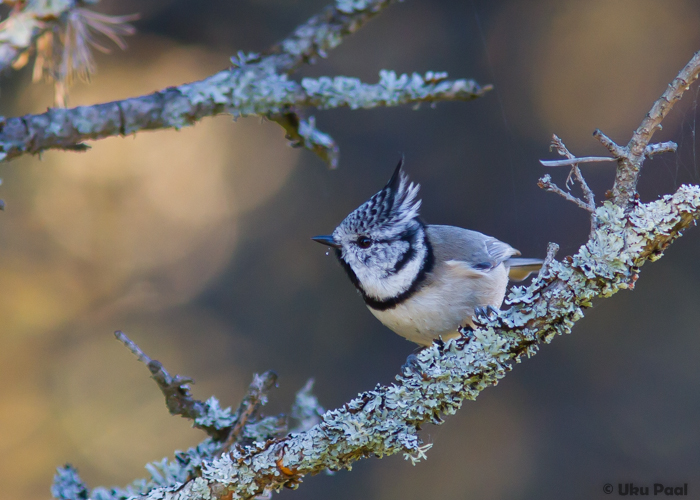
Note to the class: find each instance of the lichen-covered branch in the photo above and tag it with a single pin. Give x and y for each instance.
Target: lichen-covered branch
(386, 420)
(324, 32)
(254, 89)
(219, 423)
(255, 85)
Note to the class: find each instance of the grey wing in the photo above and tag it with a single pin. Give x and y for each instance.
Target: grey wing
(518, 269)
(481, 252)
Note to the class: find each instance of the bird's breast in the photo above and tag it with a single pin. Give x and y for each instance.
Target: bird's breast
(446, 301)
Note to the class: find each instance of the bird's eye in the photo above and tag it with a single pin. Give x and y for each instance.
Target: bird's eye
(364, 242)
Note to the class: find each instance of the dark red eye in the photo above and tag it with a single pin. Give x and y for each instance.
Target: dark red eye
(364, 242)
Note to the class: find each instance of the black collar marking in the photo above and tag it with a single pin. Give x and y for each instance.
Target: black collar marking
(383, 305)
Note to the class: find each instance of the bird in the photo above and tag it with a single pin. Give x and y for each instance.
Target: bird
(424, 282)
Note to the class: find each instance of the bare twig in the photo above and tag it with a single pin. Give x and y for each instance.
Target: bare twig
(251, 403)
(576, 171)
(176, 389)
(632, 157)
(546, 183)
(616, 150)
(575, 161)
(661, 147)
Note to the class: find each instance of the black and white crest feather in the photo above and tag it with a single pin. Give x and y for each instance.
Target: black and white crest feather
(391, 211)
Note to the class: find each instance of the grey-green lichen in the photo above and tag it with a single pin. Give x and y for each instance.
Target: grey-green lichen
(257, 89)
(350, 6)
(392, 90)
(215, 416)
(319, 142)
(164, 475)
(67, 485)
(306, 410)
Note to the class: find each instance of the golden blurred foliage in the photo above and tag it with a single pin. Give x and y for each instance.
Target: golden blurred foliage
(135, 224)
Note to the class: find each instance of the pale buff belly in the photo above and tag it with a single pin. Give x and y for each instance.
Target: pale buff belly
(446, 302)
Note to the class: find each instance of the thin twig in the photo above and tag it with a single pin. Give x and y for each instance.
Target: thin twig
(661, 147)
(616, 150)
(251, 403)
(558, 144)
(176, 389)
(546, 184)
(587, 192)
(574, 161)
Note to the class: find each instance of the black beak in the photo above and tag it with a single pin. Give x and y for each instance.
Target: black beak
(326, 240)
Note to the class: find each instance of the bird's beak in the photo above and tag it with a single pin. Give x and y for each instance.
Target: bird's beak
(326, 240)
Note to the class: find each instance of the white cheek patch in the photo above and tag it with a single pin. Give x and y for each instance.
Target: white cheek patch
(378, 283)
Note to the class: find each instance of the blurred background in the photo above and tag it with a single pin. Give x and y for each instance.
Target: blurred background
(196, 244)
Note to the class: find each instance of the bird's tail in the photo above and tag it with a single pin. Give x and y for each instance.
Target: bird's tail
(519, 269)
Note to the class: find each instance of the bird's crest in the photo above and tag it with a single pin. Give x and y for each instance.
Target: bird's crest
(391, 210)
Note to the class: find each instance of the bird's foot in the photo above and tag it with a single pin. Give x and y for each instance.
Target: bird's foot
(466, 331)
(412, 365)
(440, 344)
(484, 314)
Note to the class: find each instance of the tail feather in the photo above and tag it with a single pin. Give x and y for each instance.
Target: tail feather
(519, 269)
